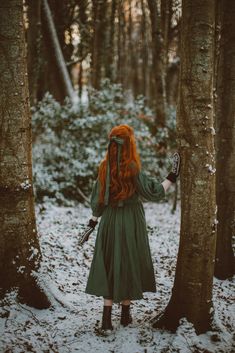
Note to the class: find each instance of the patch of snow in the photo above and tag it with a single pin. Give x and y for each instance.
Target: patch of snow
(210, 168)
(25, 185)
(69, 325)
(212, 130)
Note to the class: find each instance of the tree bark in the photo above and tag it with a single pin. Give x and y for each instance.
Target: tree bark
(84, 44)
(58, 55)
(109, 59)
(225, 142)
(19, 247)
(121, 40)
(144, 49)
(99, 26)
(158, 63)
(192, 290)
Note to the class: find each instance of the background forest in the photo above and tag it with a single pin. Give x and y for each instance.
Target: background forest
(120, 64)
(70, 71)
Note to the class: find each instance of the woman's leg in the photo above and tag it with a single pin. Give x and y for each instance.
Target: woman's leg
(126, 302)
(107, 312)
(108, 302)
(126, 318)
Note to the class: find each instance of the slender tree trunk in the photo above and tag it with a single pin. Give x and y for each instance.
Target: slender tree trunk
(19, 247)
(84, 42)
(109, 61)
(130, 57)
(144, 49)
(225, 142)
(158, 62)
(121, 43)
(192, 290)
(99, 19)
(58, 55)
(165, 30)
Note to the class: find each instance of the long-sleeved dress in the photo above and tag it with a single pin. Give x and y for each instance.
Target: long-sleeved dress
(122, 266)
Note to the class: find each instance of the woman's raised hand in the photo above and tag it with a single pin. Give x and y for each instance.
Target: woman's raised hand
(173, 175)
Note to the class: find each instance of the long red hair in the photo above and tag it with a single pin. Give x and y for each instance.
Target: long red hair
(122, 186)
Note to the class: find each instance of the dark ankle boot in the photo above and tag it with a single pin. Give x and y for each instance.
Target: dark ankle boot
(106, 319)
(126, 318)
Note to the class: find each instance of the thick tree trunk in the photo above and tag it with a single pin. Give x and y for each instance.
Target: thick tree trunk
(19, 246)
(192, 291)
(225, 142)
(58, 55)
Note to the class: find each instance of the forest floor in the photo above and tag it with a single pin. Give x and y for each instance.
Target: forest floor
(70, 324)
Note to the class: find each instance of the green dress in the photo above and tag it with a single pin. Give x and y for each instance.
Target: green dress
(122, 266)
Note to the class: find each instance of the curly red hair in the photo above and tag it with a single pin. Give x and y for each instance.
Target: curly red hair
(122, 186)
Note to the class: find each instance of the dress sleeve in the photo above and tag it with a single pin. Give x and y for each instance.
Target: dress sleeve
(149, 187)
(97, 208)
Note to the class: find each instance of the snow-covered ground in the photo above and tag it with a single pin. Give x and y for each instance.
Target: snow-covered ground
(69, 325)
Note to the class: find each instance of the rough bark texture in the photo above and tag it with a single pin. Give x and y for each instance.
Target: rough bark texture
(225, 142)
(192, 291)
(19, 247)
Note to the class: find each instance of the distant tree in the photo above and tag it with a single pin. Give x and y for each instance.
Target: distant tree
(99, 15)
(109, 43)
(158, 54)
(84, 46)
(19, 247)
(225, 142)
(48, 25)
(192, 290)
(54, 46)
(144, 49)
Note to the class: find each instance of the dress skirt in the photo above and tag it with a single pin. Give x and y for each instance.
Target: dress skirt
(122, 266)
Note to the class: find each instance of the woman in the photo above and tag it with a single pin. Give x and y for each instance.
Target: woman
(122, 267)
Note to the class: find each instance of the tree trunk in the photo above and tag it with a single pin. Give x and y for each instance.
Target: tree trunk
(58, 55)
(144, 50)
(84, 41)
(99, 26)
(19, 247)
(109, 57)
(192, 290)
(225, 143)
(121, 43)
(158, 63)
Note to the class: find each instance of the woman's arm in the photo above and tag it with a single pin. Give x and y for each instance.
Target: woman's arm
(166, 184)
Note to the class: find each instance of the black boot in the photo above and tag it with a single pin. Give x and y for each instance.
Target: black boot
(106, 319)
(126, 318)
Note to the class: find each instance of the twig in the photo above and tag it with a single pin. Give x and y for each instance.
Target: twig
(83, 195)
